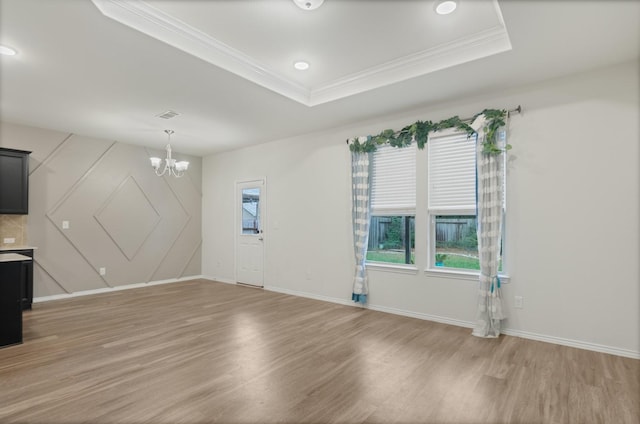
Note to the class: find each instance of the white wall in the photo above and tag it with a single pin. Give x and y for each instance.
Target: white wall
(572, 226)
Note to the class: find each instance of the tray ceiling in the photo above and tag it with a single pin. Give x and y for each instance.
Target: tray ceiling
(352, 46)
(78, 71)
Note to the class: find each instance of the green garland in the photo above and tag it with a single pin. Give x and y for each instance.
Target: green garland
(420, 130)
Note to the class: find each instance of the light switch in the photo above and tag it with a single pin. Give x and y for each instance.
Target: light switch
(65, 225)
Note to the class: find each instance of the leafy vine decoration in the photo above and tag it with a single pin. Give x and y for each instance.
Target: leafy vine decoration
(420, 130)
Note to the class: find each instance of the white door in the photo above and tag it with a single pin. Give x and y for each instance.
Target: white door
(249, 232)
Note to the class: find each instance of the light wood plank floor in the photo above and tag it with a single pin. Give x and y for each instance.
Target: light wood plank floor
(204, 352)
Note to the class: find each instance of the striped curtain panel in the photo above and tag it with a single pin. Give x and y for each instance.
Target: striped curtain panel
(490, 203)
(361, 217)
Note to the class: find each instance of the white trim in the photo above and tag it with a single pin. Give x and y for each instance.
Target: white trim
(460, 275)
(388, 267)
(440, 273)
(153, 22)
(238, 186)
(219, 280)
(451, 211)
(628, 353)
(477, 46)
(313, 296)
(595, 347)
(393, 211)
(379, 308)
(450, 273)
(420, 315)
(113, 289)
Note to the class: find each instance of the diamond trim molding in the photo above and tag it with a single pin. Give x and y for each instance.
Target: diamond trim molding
(131, 230)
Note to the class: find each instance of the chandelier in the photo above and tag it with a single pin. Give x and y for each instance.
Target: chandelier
(170, 165)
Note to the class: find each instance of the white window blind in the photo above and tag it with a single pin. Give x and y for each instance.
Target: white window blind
(452, 173)
(393, 185)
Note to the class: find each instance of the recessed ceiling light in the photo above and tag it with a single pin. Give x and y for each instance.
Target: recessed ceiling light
(8, 51)
(308, 4)
(301, 65)
(446, 7)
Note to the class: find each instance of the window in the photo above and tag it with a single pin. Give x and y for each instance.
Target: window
(452, 202)
(446, 213)
(456, 242)
(393, 205)
(392, 239)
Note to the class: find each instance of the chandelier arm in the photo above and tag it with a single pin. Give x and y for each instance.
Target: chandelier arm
(171, 166)
(160, 174)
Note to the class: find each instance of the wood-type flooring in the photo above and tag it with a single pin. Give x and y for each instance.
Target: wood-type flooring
(200, 352)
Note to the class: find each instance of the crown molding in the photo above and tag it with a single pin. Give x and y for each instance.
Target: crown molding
(155, 23)
(486, 43)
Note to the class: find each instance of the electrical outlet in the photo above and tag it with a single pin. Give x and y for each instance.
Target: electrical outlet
(9, 240)
(65, 225)
(103, 271)
(518, 302)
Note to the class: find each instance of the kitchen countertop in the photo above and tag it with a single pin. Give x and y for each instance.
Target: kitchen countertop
(13, 257)
(17, 247)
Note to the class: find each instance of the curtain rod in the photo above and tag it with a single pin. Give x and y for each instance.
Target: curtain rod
(517, 109)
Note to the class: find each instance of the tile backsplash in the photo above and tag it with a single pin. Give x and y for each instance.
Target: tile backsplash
(13, 226)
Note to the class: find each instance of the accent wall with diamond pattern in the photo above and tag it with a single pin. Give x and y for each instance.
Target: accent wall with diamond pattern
(121, 216)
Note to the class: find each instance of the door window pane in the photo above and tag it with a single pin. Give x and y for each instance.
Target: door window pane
(251, 211)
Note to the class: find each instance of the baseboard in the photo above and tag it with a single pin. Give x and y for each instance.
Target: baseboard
(420, 315)
(112, 289)
(313, 296)
(378, 308)
(467, 324)
(628, 353)
(219, 280)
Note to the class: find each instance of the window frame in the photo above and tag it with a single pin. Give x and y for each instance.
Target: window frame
(424, 229)
(432, 235)
(411, 248)
(432, 213)
(387, 210)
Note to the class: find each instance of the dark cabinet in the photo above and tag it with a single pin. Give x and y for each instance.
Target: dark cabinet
(11, 273)
(14, 181)
(27, 281)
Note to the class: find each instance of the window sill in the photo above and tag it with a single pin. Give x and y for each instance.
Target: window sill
(461, 275)
(397, 268)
